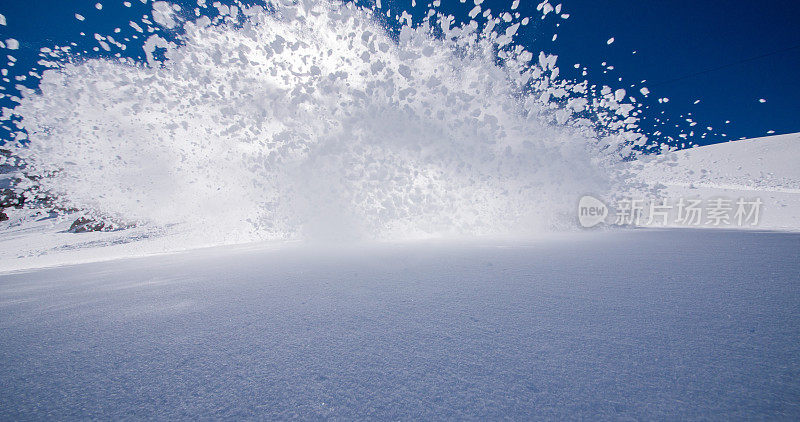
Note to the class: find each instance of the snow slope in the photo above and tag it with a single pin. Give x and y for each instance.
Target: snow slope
(628, 324)
(767, 168)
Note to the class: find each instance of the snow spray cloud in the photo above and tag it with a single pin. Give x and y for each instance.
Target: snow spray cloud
(308, 119)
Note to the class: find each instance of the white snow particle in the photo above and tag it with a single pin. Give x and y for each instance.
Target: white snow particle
(761, 100)
(163, 14)
(79, 17)
(2, 20)
(99, 6)
(610, 41)
(12, 44)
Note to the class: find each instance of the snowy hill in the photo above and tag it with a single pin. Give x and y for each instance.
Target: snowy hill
(765, 168)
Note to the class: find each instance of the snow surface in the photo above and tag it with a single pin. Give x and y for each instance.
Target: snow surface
(765, 168)
(387, 139)
(620, 324)
(631, 324)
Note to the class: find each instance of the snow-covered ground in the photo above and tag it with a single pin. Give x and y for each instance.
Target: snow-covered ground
(621, 324)
(315, 120)
(631, 324)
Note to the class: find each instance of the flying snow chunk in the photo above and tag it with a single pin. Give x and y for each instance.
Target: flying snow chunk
(2, 20)
(149, 47)
(12, 44)
(761, 100)
(163, 14)
(79, 17)
(610, 41)
(512, 30)
(770, 132)
(99, 6)
(474, 12)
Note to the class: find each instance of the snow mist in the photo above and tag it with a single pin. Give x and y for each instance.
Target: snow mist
(309, 120)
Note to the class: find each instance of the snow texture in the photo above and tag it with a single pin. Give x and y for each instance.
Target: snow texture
(764, 168)
(643, 324)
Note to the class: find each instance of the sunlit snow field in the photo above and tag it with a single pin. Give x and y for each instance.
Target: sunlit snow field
(319, 214)
(647, 323)
(638, 324)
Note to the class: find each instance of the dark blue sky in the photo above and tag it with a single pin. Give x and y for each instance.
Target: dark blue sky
(695, 50)
(686, 51)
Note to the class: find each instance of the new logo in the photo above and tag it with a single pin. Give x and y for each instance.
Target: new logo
(591, 211)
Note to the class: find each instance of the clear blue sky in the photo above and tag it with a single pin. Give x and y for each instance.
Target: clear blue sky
(686, 51)
(675, 41)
